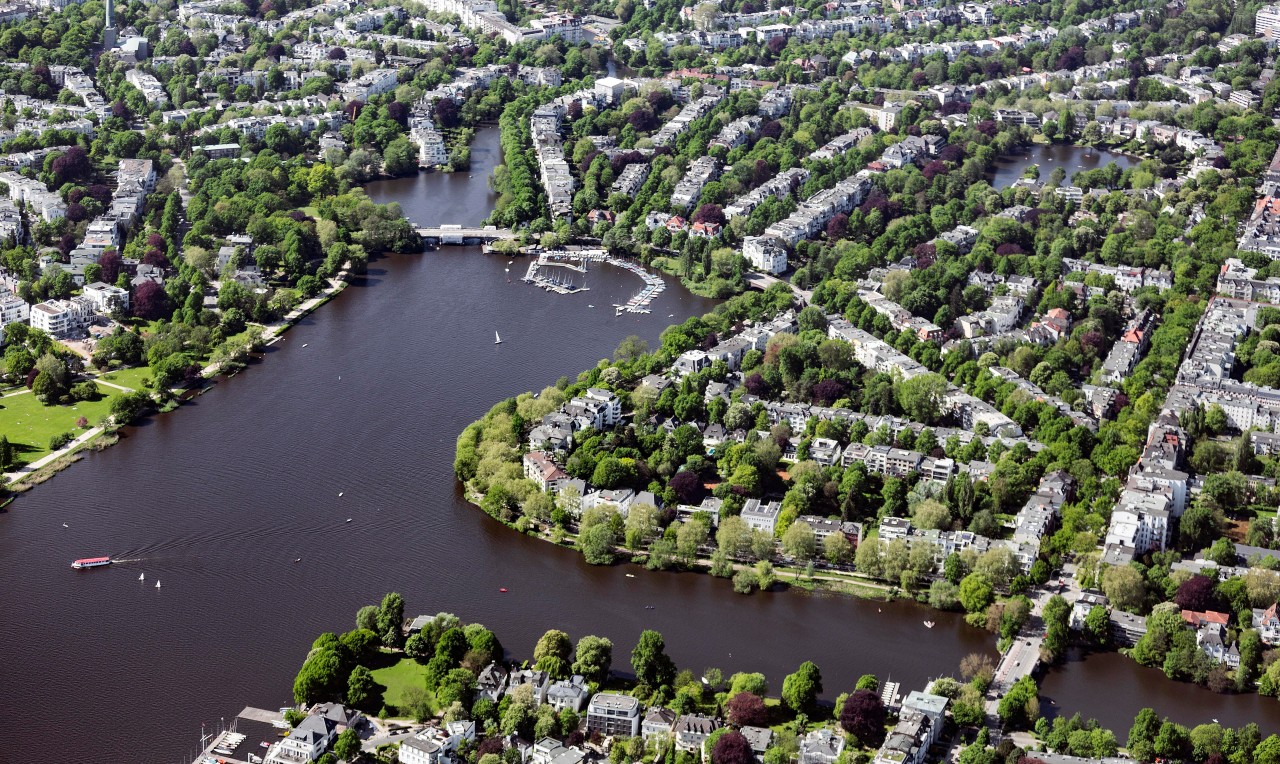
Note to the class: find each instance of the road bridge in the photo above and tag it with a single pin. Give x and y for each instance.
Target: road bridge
(458, 234)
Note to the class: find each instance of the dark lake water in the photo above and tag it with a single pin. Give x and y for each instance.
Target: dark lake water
(1071, 159)
(217, 499)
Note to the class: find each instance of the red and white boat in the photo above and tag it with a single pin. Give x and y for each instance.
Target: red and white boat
(91, 562)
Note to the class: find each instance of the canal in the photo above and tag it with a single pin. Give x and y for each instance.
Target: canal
(365, 398)
(1071, 159)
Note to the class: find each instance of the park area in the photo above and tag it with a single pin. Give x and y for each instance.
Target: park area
(30, 425)
(397, 679)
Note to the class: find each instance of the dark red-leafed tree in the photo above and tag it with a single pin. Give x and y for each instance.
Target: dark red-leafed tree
(837, 226)
(574, 112)
(757, 386)
(118, 109)
(828, 391)
(642, 119)
(688, 487)
(863, 717)
(76, 212)
(732, 748)
(776, 44)
(1009, 248)
(337, 54)
(1197, 593)
(100, 192)
(771, 129)
(746, 710)
(112, 264)
(933, 169)
(709, 213)
(446, 112)
(988, 127)
(187, 47)
(398, 112)
(74, 163)
(150, 301)
(275, 50)
(156, 257)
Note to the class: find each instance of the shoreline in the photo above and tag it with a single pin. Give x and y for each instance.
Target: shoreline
(853, 585)
(104, 436)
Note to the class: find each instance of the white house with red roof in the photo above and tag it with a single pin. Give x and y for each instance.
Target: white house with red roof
(539, 468)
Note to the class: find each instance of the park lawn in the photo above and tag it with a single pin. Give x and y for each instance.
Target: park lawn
(131, 378)
(30, 425)
(399, 677)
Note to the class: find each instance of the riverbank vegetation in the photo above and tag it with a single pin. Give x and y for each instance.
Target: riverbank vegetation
(442, 670)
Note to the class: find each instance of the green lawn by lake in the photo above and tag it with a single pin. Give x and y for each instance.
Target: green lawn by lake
(131, 378)
(399, 677)
(29, 424)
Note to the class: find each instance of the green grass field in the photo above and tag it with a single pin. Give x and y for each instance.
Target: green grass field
(399, 677)
(131, 378)
(29, 424)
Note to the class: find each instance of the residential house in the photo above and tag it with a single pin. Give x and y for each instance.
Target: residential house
(822, 746)
(539, 468)
(551, 751)
(492, 682)
(568, 693)
(1267, 622)
(761, 516)
(306, 742)
(692, 730)
(658, 722)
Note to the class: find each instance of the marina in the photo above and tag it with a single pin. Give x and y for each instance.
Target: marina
(578, 260)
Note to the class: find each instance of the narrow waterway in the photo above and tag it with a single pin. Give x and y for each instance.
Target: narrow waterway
(365, 398)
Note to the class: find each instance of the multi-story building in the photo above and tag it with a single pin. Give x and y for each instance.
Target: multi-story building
(613, 715)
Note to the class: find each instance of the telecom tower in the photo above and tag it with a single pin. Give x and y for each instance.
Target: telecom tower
(109, 30)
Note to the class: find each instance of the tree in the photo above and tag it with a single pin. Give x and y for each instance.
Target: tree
(650, 661)
(6, 452)
(754, 683)
(732, 748)
(597, 544)
(1197, 593)
(746, 709)
(863, 716)
(552, 653)
(150, 301)
(799, 542)
(390, 619)
(1125, 587)
(837, 548)
(921, 397)
(347, 746)
(362, 689)
(976, 592)
(593, 657)
(800, 690)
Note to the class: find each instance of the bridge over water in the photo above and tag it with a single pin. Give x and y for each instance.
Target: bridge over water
(457, 234)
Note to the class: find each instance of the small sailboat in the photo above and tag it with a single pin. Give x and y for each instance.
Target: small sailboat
(297, 559)
(157, 584)
(348, 519)
(630, 575)
(503, 589)
(305, 344)
(142, 576)
(339, 494)
(928, 624)
(496, 339)
(64, 525)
